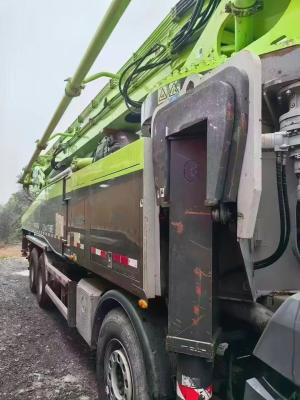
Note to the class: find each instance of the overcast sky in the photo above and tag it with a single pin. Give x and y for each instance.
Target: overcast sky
(41, 44)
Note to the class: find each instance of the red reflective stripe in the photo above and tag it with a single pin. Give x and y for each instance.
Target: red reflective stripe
(124, 260)
(118, 258)
(98, 252)
(103, 253)
(188, 393)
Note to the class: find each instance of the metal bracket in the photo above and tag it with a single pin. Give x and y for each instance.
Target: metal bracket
(280, 141)
(244, 12)
(72, 91)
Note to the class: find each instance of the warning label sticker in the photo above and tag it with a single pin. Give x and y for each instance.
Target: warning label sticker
(169, 91)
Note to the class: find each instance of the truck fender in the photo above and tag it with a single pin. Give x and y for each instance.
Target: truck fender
(146, 327)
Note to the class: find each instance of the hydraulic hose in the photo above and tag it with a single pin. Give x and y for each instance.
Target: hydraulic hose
(284, 214)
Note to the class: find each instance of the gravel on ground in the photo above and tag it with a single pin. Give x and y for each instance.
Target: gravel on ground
(40, 357)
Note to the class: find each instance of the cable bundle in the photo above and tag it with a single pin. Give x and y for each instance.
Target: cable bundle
(136, 68)
(195, 25)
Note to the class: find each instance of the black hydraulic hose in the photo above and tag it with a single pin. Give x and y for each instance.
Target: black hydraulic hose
(137, 68)
(197, 23)
(189, 26)
(284, 214)
(287, 207)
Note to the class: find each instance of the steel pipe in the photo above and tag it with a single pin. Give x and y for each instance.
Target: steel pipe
(101, 75)
(73, 87)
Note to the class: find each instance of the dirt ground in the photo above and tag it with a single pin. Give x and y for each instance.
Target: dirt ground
(10, 251)
(40, 357)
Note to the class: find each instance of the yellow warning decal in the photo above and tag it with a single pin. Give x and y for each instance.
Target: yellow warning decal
(171, 90)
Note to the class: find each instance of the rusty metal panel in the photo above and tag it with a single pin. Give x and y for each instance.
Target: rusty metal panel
(191, 327)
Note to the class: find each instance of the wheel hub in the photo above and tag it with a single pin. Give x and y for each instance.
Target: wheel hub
(118, 377)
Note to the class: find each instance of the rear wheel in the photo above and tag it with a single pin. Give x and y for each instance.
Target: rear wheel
(33, 268)
(120, 364)
(42, 297)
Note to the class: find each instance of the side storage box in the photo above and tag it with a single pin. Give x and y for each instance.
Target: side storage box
(88, 296)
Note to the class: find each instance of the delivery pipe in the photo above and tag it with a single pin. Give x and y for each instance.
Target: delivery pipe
(244, 25)
(74, 85)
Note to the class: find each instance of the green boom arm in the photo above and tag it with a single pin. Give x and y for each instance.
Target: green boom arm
(73, 88)
(261, 26)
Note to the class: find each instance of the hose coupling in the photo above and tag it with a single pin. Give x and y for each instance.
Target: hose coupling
(231, 8)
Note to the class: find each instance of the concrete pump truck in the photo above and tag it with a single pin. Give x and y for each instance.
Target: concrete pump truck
(166, 225)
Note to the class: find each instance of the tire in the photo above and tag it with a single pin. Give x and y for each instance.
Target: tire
(120, 363)
(42, 297)
(33, 268)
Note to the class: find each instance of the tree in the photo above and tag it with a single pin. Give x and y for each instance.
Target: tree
(10, 216)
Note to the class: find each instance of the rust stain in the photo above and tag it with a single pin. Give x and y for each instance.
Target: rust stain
(197, 310)
(230, 112)
(200, 273)
(244, 122)
(196, 321)
(198, 290)
(178, 226)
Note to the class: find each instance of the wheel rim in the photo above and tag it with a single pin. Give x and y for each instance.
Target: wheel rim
(40, 280)
(118, 374)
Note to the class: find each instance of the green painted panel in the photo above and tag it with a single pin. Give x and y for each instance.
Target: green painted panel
(124, 161)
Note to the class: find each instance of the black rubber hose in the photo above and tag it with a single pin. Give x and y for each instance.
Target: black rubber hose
(254, 314)
(287, 207)
(189, 26)
(284, 214)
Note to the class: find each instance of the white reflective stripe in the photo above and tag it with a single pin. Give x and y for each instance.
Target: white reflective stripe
(98, 252)
(205, 394)
(178, 392)
(132, 263)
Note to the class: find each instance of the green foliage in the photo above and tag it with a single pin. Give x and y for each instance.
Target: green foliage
(10, 216)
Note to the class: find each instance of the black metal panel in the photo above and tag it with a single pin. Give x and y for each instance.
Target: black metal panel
(191, 329)
(279, 344)
(260, 390)
(221, 103)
